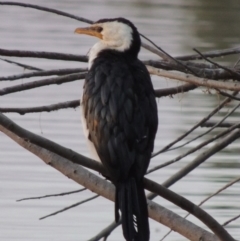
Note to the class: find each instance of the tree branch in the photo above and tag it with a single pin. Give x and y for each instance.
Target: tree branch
(107, 190)
(211, 54)
(44, 73)
(51, 10)
(194, 80)
(150, 185)
(46, 108)
(44, 82)
(52, 195)
(69, 207)
(200, 123)
(43, 54)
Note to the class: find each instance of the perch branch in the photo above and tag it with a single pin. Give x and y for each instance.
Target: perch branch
(148, 184)
(106, 189)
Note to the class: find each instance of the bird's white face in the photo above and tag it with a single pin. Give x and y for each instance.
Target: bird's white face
(114, 35)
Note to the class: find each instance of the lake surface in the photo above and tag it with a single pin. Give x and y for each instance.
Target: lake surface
(177, 26)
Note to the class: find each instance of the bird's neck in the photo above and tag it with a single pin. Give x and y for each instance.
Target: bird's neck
(100, 46)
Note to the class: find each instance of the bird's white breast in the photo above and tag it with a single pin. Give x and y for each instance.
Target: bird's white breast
(91, 147)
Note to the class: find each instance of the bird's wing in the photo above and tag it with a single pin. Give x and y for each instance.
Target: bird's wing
(121, 116)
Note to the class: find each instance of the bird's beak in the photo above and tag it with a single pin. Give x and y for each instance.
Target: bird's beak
(93, 31)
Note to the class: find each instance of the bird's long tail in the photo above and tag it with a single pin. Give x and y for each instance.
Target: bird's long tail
(131, 200)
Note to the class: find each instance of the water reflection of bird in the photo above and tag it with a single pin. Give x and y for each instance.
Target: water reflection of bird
(120, 117)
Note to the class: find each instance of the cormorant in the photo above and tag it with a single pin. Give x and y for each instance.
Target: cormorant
(120, 117)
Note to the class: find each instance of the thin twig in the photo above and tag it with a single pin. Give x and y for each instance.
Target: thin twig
(51, 10)
(101, 188)
(44, 73)
(211, 54)
(155, 51)
(174, 90)
(50, 145)
(106, 231)
(53, 195)
(227, 95)
(206, 199)
(201, 122)
(208, 83)
(234, 73)
(222, 125)
(41, 83)
(29, 67)
(192, 150)
(69, 207)
(208, 131)
(47, 108)
(202, 70)
(43, 54)
(230, 220)
(169, 57)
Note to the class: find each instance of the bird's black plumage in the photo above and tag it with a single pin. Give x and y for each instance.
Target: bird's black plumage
(121, 116)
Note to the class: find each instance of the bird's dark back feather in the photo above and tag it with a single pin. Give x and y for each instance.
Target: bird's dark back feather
(121, 113)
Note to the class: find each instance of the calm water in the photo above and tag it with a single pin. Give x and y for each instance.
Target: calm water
(177, 27)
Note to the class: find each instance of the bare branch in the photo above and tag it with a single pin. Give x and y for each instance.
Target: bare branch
(200, 123)
(155, 51)
(211, 54)
(47, 108)
(228, 95)
(52, 195)
(42, 54)
(202, 70)
(198, 147)
(50, 145)
(106, 231)
(69, 207)
(44, 82)
(206, 199)
(171, 59)
(44, 73)
(230, 220)
(203, 157)
(208, 131)
(174, 90)
(222, 125)
(21, 65)
(106, 189)
(148, 184)
(234, 73)
(194, 80)
(51, 10)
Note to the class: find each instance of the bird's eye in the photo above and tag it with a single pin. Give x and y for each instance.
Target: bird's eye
(98, 29)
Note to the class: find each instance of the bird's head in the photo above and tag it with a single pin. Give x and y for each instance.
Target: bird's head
(116, 34)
